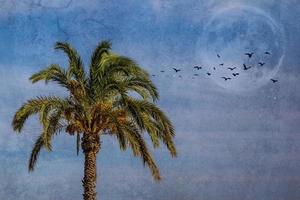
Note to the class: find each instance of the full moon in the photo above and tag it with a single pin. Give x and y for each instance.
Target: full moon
(231, 33)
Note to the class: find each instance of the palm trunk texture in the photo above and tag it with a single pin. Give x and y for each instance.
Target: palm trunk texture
(91, 146)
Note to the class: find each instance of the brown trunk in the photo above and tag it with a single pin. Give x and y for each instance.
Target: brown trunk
(90, 145)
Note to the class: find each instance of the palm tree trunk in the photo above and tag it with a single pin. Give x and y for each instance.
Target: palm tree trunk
(90, 145)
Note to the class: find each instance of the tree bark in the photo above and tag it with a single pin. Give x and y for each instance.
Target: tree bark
(91, 146)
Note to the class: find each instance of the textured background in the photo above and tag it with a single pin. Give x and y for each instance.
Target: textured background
(231, 146)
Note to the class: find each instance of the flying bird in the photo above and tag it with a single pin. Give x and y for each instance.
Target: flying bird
(225, 78)
(221, 64)
(235, 74)
(196, 74)
(231, 68)
(245, 67)
(261, 63)
(214, 68)
(218, 56)
(208, 73)
(268, 53)
(274, 80)
(153, 74)
(197, 67)
(162, 71)
(176, 70)
(249, 54)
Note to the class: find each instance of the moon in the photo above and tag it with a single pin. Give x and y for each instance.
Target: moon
(231, 33)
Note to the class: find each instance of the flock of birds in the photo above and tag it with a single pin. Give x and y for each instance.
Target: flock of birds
(232, 69)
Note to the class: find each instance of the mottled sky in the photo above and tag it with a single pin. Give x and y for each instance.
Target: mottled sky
(232, 145)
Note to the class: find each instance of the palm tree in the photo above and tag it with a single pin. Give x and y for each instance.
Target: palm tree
(116, 97)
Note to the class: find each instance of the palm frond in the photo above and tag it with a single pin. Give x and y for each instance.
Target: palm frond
(140, 148)
(75, 64)
(77, 143)
(142, 86)
(52, 73)
(138, 109)
(114, 67)
(35, 152)
(113, 63)
(103, 48)
(50, 127)
(32, 107)
(119, 132)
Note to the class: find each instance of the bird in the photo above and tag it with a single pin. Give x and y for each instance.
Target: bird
(245, 67)
(231, 68)
(218, 56)
(153, 74)
(208, 73)
(274, 80)
(197, 67)
(196, 74)
(235, 74)
(268, 53)
(162, 71)
(221, 64)
(225, 78)
(176, 70)
(214, 68)
(261, 63)
(249, 54)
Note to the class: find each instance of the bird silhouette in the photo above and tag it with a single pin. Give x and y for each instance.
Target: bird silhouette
(268, 53)
(176, 70)
(274, 80)
(208, 73)
(218, 56)
(162, 71)
(221, 64)
(249, 54)
(196, 74)
(235, 74)
(153, 74)
(225, 78)
(197, 67)
(231, 68)
(214, 68)
(245, 67)
(261, 63)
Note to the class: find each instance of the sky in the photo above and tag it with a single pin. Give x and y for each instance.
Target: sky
(233, 142)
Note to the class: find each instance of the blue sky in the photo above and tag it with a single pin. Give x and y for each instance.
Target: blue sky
(232, 145)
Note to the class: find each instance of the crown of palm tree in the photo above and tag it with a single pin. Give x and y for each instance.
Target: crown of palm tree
(100, 102)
